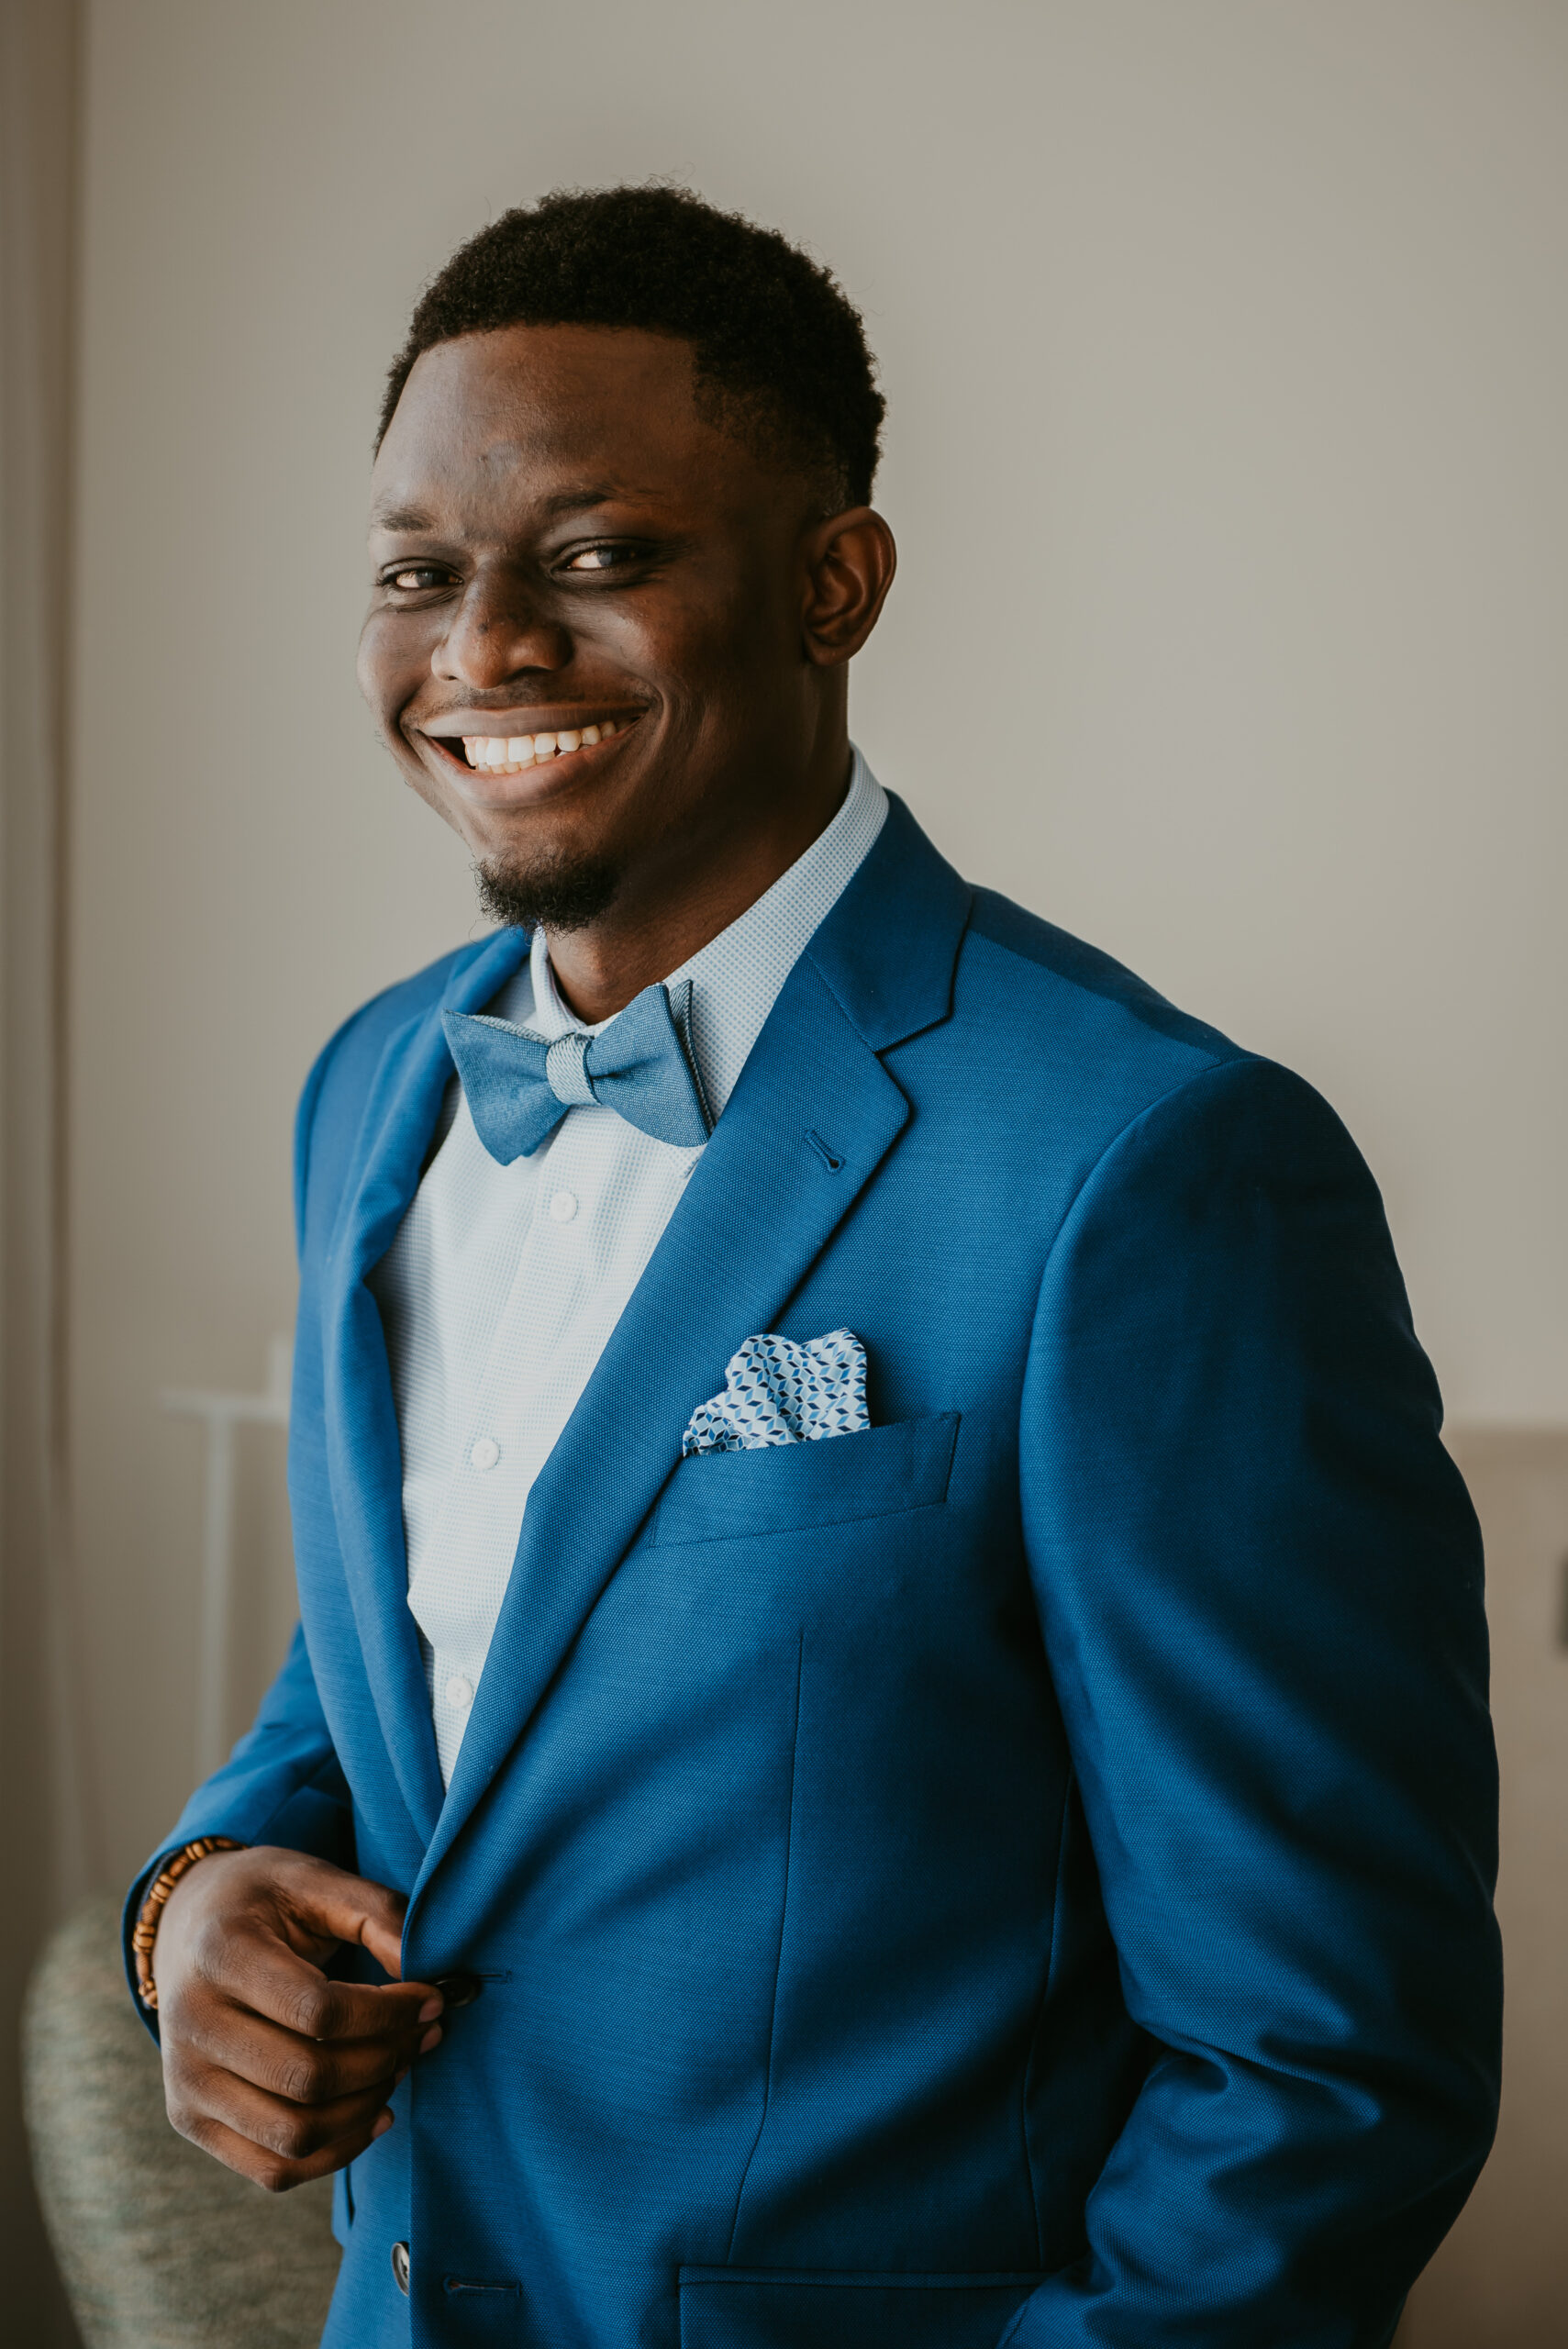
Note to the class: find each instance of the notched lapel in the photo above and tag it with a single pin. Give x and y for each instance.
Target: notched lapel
(363, 1446)
(812, 1118)
(762, 1203)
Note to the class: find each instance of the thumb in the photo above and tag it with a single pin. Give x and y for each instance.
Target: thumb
(343, 1908)
(380, 1927)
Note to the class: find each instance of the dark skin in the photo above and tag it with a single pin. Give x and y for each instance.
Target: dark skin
(559, 536)
(586, 547)
(267, 2065)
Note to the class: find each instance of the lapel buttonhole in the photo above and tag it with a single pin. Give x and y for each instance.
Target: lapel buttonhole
(825, 1151)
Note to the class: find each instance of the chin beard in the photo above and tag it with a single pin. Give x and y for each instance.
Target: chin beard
(553, 893)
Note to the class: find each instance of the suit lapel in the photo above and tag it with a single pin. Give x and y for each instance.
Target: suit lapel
(364, 1450)
(812, 1116)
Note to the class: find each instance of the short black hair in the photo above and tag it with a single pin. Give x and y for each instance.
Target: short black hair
(780, 352)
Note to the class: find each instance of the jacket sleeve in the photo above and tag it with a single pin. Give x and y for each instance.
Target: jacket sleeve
(282, 1783)
(1258, 1579)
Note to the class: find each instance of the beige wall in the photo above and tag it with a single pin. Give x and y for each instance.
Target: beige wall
(1227, 363)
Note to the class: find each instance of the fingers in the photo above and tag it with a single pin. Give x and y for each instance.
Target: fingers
(304, 2071)
(334, 1906)
(274, 2106)
(273, 2124)
(278, 2071)
(275, 2173)
(273, 1980)
(317, 1907)
(309, 1902)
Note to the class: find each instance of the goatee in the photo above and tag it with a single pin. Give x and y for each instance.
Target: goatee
(553, 893)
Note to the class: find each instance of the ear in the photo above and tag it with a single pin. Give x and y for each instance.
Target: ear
(849, 562)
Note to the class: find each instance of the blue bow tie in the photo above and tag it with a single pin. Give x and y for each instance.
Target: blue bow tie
(518, 1087)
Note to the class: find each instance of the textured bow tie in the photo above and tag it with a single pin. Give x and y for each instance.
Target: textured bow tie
(519, 1086)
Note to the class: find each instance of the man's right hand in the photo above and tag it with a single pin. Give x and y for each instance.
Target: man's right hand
(267, 2065)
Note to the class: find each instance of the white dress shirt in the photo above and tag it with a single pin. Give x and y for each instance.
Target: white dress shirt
(504, 1283)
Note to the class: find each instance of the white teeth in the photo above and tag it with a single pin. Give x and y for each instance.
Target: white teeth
(493, 756)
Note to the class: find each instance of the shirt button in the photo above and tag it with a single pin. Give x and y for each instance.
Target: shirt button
(564, 1206)
(485, 1454)
(400, 2268)
(460, 1692)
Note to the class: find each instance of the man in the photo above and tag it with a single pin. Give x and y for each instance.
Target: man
(891, 1668)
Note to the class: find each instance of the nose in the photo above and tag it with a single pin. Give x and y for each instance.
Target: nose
(495, 635)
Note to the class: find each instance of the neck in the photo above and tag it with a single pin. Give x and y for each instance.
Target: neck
(687, 892)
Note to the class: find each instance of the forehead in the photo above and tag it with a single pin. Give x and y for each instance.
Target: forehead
(505, 419)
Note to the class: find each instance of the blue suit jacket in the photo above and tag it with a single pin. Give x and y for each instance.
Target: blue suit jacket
(1022, 1872)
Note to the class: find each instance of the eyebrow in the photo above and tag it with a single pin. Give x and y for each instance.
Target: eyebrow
(569, 501)
(576, 500)
(399, 518)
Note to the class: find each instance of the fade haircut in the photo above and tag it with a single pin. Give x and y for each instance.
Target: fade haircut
(780, 352)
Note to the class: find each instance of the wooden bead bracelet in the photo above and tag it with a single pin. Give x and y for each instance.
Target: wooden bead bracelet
(144, 1933)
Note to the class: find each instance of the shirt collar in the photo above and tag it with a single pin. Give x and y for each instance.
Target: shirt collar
(737, 978)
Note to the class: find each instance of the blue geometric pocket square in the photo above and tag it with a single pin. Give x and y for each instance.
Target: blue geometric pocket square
(778, 1392)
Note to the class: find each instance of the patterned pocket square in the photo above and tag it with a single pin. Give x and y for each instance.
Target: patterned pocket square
(778, 1392)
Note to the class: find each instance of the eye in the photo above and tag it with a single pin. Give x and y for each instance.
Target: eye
(607, 554)
(412, 578)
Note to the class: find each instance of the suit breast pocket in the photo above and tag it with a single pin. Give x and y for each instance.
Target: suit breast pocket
(787, 1487)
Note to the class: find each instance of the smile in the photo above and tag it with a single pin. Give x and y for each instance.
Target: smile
(496, 754)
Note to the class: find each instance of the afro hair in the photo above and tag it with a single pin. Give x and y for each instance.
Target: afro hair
(780, 353)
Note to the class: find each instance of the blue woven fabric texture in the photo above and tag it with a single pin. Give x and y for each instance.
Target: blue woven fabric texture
(776, 1391)
(1024, 1875)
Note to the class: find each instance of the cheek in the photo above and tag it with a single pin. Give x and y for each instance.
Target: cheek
(696, 636)
(721, 678)
(391, 661)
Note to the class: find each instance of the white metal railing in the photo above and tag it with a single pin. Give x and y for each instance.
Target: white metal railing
(221, 1414)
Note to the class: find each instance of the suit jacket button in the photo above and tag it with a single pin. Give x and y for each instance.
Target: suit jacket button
(400, 2267)
(459, 1990)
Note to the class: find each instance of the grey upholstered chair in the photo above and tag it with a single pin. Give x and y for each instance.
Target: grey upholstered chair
(159, 2247)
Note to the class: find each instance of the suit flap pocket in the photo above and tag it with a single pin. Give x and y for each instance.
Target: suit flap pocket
(737, 2308)
(726, 1495)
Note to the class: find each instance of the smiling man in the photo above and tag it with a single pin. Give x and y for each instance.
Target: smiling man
(888, 1745)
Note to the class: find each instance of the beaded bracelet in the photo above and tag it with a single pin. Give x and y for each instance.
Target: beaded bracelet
(144, 1933)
